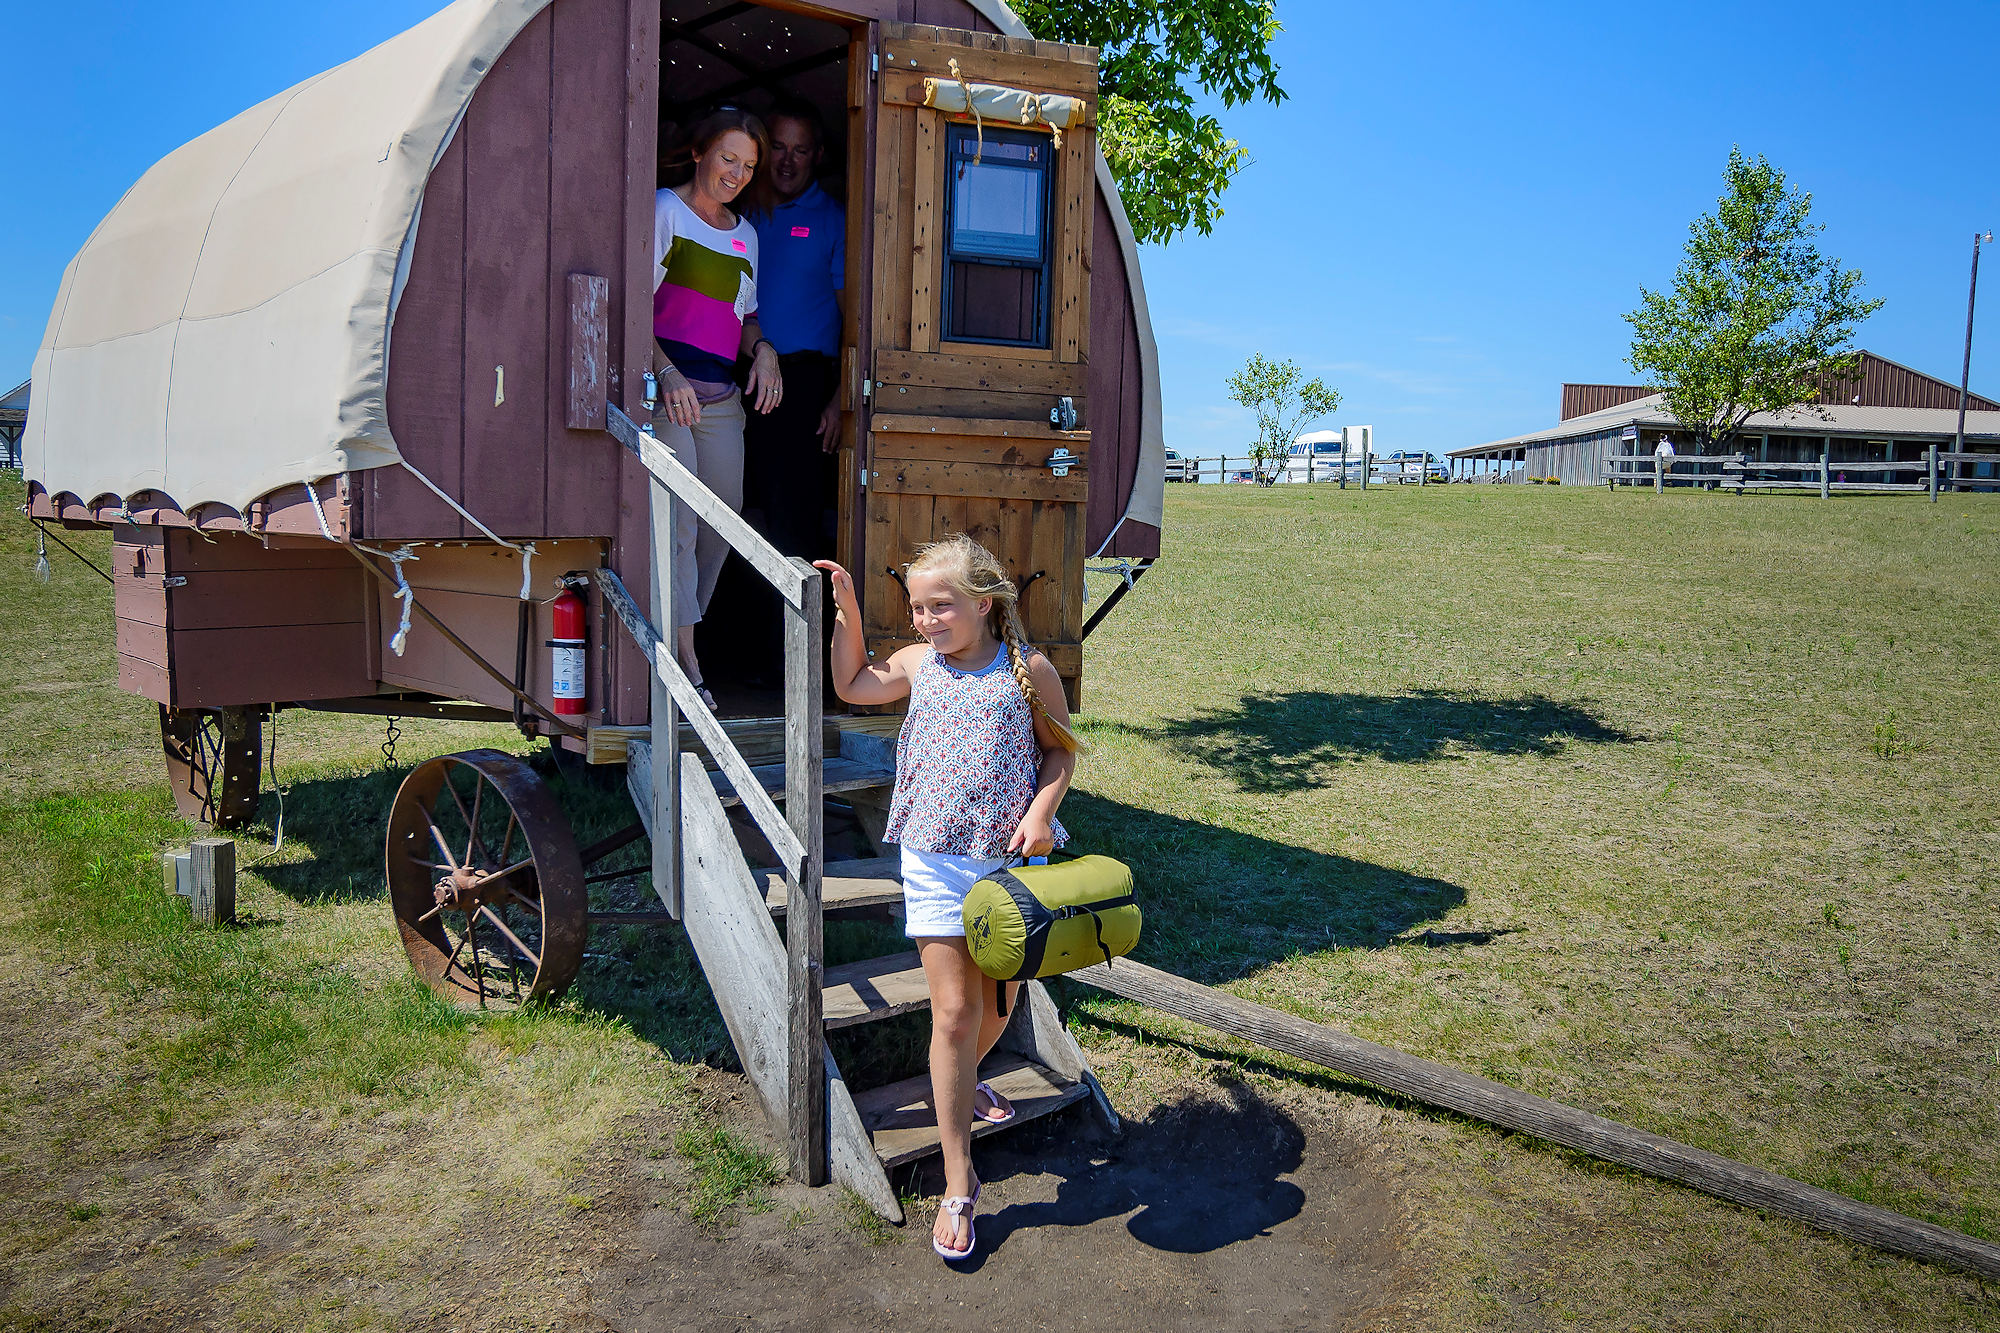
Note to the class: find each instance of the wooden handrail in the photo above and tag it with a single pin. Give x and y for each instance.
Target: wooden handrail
(751, 544)
(720, 746)
(798, 835)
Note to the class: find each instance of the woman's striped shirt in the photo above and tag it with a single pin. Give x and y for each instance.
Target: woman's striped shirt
(707, 288)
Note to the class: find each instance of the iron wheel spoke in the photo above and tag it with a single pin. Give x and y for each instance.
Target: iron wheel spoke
(459, 801)
(512, 938)
(437, 836)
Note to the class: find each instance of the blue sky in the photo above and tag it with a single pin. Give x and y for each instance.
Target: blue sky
(1446, 220)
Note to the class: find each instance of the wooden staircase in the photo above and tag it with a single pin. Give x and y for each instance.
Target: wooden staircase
(730, 911)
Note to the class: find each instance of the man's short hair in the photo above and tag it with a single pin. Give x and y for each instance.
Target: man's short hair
(804, 112)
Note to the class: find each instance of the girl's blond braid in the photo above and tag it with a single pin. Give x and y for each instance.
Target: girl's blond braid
(1016, 640)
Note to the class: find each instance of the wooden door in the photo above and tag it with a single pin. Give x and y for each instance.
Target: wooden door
(978, 328)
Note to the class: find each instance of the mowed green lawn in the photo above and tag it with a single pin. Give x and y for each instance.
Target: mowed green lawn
(1676, 808)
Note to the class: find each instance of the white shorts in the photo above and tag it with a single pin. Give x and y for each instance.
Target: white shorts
(934, 889)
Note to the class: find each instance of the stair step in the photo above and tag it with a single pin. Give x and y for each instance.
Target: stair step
(875, 882)
(874, 988)
(904, 1127)
(841, 775)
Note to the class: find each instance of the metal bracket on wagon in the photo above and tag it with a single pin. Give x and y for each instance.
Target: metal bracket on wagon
(1061, 461)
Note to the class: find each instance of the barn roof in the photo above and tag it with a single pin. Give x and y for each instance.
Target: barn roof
(225, 330)
(1833, 419)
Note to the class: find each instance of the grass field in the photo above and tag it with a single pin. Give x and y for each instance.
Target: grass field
(1677, 808)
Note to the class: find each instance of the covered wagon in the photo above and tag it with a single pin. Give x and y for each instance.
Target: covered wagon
(357, 381)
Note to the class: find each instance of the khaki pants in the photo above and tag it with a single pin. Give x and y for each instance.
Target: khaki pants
(713, 450)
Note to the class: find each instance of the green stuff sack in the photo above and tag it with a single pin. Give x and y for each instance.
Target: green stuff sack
(1041, 921)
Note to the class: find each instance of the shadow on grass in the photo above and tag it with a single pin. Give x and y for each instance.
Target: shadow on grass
(1291, 742)
(1203, 1174)
(1219, 904)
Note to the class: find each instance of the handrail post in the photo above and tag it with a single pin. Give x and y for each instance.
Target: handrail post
(665, 718)
(805, 811)
(1931, 469)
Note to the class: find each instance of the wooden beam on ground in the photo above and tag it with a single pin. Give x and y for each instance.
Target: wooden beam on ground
(1498, 1104)
(212, 877)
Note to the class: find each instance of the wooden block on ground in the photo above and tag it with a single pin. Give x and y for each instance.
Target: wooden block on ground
(212, 881)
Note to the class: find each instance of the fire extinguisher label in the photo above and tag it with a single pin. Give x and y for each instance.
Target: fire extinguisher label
(568, 673)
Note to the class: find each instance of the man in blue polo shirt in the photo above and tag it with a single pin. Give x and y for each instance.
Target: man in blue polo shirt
(802, 262)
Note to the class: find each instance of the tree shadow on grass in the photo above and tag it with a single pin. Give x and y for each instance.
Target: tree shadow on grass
(1292, 742)
(1220, 903)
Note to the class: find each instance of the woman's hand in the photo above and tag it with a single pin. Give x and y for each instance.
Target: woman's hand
(677, 401)
(844, 599)
(1034, 837)
(767, 382)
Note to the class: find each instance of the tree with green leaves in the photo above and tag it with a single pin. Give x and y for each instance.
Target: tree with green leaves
(1284, 401)
(1757, 319)
(1171, 162)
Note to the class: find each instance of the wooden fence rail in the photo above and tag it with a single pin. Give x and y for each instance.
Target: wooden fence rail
(1739, 472)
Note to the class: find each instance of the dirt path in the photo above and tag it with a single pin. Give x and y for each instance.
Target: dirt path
(1212, 1212)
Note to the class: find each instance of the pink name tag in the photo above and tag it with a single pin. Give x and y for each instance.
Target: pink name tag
(802, 232)
(740, 247)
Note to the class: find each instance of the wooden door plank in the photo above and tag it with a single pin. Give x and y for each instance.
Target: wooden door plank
(908, 56)
(987, 480)
(1029, 409)
(1078, 182)
(1045, 601)
(938, 370)
(896, 132)
(1027, 453)
(898, 424)
(926, 237)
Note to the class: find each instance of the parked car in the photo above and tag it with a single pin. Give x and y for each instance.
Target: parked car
(1243, 477)
(1410, 466)
(1182, 469)
(1319, 458)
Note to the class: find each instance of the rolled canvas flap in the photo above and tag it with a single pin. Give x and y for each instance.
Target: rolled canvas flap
(1012, 106)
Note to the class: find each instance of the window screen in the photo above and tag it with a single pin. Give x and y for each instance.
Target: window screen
(997, 228)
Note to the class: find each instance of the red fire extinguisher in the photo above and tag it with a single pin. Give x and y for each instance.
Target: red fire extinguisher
(568, 643)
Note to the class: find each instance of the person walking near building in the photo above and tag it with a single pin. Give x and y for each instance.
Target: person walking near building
(802, 245)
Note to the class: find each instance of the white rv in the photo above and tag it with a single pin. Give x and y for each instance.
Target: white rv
(1323, 455)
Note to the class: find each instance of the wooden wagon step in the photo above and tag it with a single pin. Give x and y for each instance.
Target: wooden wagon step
(875, 882)
(874, 988)
(841, 775)
(904, 1127)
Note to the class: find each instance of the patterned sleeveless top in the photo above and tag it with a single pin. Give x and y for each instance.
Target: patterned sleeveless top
(968, 762)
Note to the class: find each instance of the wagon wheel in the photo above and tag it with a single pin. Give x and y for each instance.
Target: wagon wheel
(212, 759)
(485, 880)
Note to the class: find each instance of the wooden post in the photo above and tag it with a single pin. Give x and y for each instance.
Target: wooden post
(1826, 467)
(666, 721)
(212, 863)
(1930, 469)
(805, 811)
(1659, 474)
(1364, 467)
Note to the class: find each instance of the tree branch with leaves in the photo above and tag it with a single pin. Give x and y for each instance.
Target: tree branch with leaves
(1758, 320)
(1172, 163)
(1284, 401)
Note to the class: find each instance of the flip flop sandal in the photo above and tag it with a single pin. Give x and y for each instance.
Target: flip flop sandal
(959, 1206)
(994, 1098)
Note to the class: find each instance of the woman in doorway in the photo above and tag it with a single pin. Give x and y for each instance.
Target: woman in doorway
(704, 319)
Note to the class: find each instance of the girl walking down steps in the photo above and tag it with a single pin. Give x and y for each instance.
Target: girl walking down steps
(984, 760)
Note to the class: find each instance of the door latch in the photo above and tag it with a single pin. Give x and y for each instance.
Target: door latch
(174, 581)
(1061, 461)
(1063, 415)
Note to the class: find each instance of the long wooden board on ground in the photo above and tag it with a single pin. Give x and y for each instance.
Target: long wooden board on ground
(1498, 1104)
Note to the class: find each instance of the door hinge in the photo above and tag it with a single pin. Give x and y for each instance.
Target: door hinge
(874, 62)
(174, 581)
(867, 389)
(1060, 462)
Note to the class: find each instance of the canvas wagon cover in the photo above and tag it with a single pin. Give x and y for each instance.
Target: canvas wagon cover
(225, 332)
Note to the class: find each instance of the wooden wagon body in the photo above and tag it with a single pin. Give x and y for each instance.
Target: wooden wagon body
(357, 382)
(518, 307)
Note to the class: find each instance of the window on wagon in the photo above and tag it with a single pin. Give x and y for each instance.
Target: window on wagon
(997, 227)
